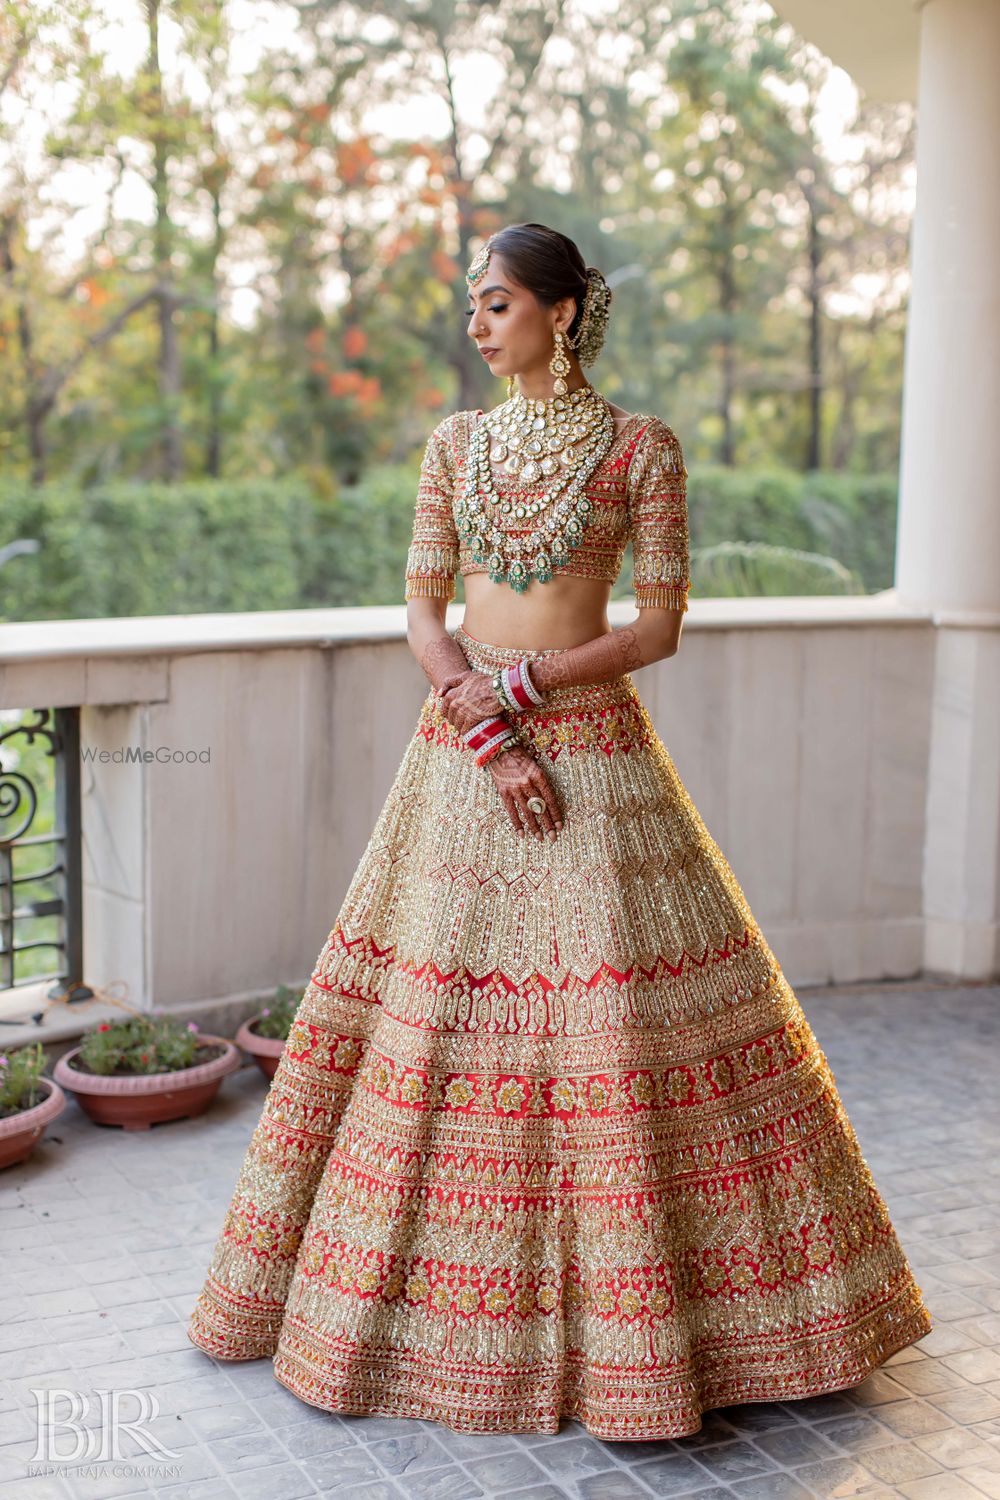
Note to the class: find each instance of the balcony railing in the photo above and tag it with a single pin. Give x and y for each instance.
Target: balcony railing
(41, 916)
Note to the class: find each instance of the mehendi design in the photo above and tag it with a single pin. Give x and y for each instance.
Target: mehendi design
(600, 660)
(518, 776)
(468, 697)
(441, 658)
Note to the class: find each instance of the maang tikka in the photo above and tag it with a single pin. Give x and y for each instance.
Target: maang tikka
(477, 269)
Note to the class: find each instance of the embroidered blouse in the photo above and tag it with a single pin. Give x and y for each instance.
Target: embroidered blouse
(638, 493)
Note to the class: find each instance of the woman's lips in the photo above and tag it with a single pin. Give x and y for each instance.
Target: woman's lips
(489, 353)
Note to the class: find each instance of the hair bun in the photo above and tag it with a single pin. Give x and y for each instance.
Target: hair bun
(589, 338)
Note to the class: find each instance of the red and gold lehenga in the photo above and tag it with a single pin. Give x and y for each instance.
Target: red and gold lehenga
(551, 1135)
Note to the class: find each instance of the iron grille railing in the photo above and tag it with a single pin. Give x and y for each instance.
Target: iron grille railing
(40, 846)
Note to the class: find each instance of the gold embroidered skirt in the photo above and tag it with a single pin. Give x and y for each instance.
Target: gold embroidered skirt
(551, 1135)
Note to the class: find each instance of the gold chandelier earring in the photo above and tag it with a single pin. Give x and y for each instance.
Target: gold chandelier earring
(511, 385)
(559, 364)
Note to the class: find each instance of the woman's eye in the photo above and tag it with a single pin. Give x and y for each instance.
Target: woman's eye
(499, 307)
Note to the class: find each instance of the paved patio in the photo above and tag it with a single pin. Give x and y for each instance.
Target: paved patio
(105, 1238)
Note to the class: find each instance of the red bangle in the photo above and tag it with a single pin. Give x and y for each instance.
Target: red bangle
(494, 750)
(516, 687)
(480, 735)
(519, 686)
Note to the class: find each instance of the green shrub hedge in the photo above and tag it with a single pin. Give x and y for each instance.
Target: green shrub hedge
(227, 545)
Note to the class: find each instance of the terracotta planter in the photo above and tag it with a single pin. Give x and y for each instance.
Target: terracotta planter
(20, 1133)
(137, 1100)
(265, 1050)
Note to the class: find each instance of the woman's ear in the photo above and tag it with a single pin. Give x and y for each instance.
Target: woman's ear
(565, 313)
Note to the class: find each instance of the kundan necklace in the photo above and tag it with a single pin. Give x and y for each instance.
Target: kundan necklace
(561, 441)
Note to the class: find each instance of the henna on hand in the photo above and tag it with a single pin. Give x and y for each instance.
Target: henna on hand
(442, 657)
(600, 660)
(468, 698)
(519, 776)
(446, 666)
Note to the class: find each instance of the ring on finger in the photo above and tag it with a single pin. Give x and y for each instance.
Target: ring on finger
(536, 804)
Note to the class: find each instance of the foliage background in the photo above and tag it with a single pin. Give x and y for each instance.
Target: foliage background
(232, 243)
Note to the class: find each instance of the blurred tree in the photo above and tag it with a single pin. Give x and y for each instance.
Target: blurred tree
(300, 213)
(42, 360)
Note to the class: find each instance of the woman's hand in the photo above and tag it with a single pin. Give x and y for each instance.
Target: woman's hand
(466, 698)
(519, 776)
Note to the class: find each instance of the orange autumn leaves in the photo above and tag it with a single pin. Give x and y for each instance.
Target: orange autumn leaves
(365, 390)
(353, 384)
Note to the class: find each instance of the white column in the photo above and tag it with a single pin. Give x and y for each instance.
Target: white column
(948, 538)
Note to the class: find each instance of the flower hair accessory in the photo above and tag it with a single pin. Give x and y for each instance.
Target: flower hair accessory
(589, 338)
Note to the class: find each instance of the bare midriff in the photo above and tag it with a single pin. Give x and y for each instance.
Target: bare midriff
(566, 611)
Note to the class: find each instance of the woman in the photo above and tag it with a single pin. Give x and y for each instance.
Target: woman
(551, 1135)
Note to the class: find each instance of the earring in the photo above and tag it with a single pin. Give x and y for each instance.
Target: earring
(559, 364)
(511, 386)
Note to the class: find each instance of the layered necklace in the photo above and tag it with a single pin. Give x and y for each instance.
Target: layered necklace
(560, 442)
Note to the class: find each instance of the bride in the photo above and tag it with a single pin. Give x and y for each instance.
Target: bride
(551, 1135)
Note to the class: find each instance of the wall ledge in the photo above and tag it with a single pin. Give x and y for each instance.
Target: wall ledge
(157, 635)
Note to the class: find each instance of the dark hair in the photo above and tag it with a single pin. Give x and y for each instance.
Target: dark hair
(546, 262)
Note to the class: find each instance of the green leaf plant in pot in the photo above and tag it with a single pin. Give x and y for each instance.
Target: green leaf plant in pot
(145, 1070)
(28, 1102)
(265, 1034)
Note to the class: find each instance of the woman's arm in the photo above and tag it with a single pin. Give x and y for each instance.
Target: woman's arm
(432, 562)
(652, 636)
(438, 653)
(658, 523)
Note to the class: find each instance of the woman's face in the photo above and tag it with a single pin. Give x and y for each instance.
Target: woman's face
(509, 319)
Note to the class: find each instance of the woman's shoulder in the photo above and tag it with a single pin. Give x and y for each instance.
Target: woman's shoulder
(656, 435)
(455, 428)
(457, 420)
(653, 425)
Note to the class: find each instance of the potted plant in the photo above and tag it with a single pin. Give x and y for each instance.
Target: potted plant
(265, 1034)
(28, 1102)
(149, 1068)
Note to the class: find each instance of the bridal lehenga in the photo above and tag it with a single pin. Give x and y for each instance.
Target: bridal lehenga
(551, 1135)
